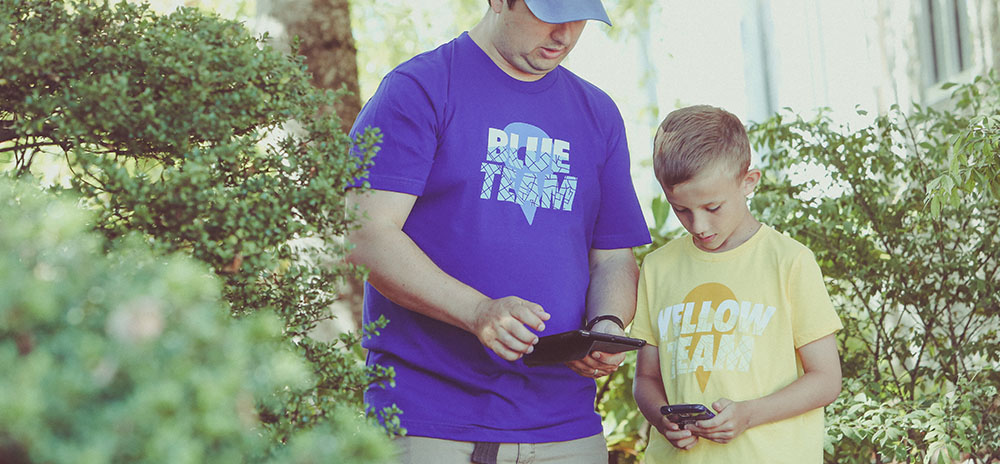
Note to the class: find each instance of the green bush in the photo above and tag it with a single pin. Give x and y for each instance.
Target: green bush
(190, 132)
(974, 157)
(918, 290)
(129, 356)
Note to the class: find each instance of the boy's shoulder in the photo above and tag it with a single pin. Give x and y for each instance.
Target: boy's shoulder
(672, 250)
(783, 243)
(767, 242)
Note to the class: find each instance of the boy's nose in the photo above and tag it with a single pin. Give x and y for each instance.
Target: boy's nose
(698, 224)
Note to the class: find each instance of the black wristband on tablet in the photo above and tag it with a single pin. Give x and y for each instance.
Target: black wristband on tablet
(606, 317)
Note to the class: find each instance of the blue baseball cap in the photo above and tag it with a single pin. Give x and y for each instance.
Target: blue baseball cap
(564, 11)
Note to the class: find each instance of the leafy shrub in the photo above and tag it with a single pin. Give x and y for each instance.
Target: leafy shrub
(974, 159)
(918, 290)
(130, 356)
(185, 129)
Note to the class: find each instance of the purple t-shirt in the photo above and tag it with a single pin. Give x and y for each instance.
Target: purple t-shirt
(516, 182)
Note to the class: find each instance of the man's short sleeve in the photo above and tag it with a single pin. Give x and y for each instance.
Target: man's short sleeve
(620, 223)
(404, 113)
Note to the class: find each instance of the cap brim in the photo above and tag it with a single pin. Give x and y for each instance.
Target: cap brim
(564, 11)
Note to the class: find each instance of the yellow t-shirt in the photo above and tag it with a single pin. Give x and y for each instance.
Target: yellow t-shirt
(728, 325)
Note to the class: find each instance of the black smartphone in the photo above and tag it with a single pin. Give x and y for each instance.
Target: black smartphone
(684, 414)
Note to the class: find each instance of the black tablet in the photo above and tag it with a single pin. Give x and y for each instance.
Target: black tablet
(575, 344)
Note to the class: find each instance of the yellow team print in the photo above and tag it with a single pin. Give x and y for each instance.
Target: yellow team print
(711, 331)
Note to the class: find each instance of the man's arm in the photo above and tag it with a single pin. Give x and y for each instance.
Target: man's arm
(613, 279)
(402, 272)
(818, 386)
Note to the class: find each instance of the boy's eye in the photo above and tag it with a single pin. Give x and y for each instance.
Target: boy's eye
(714, 208)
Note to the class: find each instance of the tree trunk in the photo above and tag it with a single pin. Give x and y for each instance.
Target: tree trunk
(323, 28)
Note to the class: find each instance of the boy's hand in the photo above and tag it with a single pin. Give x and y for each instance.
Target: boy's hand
(731, 419)
(680, 438)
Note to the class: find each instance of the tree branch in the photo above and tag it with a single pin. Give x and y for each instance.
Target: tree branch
(23, 147)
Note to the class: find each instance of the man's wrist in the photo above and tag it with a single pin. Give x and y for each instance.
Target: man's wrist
(606, 317)
(607, 327)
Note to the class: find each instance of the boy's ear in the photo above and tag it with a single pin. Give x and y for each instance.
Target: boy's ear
(750, 181)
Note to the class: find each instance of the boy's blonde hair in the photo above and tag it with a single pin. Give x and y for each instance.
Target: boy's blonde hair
(698, 137)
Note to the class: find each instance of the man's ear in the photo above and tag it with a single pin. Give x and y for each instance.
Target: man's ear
(750, 181)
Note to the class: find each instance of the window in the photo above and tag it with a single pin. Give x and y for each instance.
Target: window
(946, 49)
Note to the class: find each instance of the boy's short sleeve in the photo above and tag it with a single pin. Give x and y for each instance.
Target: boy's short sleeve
(814, 317)
(642, 326)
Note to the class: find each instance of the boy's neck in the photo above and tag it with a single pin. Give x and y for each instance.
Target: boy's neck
(747, 229)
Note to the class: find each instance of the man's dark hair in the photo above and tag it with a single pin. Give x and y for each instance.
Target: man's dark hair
(510, 3)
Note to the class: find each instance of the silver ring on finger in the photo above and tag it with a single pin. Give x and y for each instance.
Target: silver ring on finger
(595, 372)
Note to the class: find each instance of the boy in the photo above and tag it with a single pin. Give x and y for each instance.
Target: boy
(735, 314)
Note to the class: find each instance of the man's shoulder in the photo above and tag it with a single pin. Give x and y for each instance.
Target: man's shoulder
(591, 90)
(430, 61)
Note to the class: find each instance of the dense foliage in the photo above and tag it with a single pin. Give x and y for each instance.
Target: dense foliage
(974, 157)
(918, 290)
(188, 131)
(129, 356)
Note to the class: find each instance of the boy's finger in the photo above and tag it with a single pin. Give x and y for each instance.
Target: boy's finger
(674, 435)
(721, 403)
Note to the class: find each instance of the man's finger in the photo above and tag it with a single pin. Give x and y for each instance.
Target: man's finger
(531, 314)
(514, 343)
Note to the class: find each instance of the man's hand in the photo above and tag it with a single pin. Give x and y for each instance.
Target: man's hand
(598, 364)
(502, 326)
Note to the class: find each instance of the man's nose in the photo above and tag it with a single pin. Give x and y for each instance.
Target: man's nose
(563, 33)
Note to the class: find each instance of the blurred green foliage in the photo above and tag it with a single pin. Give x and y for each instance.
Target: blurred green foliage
(185, 131)
(916, 282)
(410, 27)
(123, 355)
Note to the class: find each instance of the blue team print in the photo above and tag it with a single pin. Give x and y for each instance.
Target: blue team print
(527, 167)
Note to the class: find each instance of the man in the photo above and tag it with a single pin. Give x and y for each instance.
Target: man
(502, 209)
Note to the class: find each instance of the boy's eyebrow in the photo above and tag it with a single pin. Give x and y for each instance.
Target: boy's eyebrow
(704, 205)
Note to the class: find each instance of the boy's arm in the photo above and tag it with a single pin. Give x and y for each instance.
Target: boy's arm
(647, 388)
(818, 386)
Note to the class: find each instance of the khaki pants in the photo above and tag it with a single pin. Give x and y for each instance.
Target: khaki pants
(423, 450)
